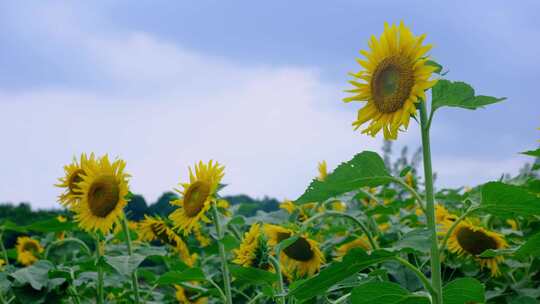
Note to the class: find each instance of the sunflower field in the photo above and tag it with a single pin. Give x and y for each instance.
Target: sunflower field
(360, 233)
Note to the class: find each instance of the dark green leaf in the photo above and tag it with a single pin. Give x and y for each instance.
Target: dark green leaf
(524, 300)
(253, 275)
(50, 225)
(286, 243)
(458, 94)
(464, 290)
(385, 293)
(190, 274)
(491, 253)
(35, 275)
(365, 169)
(125, 264)
(535, 153)
(509, 200)
(415, 240)
(530, 248)
(354, 261)
(436, 65)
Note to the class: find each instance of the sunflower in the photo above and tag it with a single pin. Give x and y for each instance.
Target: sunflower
(395, 77)
(73, 176)
(104, 188)
(185, 296)
(156, 229)
(27, 250)
(338, 205)
(197, 196)
(200, 237)
(253, 250)
(323, 173)
(302, 258)
(360, 242)
(470, 240)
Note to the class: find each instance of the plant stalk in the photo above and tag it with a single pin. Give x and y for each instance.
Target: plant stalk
(4, 252)
(436, 279)
(99, 287)
(222, 255)
(134, 278)
(277, 267)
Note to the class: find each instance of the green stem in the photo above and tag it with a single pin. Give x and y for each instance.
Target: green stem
(255, 298)
(221, 293)
(436, 279)
(371, 240)
(99, 286)
(453, 227)
(281, 288)
(419, 274)
(412, 191)
(134, 279)
(371, 219)
(4, 252)
(74, 295)
(222, 255)
(66, 240)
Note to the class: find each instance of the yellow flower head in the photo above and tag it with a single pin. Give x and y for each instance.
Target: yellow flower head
(470, 240)
(61, 219)
(361, 242)
(303, 258)
(197, 196)
(72, 177)
(155, 228)
(253, 249)
(28, 250)
(103, 192)
(185, 296)
(323, 172)
(200, 237)
(395, 77)
(338, 206)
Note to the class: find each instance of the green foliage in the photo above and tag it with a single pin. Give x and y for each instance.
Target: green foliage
(459, 94)
(462, 291)
(384, 293)
(509, 200)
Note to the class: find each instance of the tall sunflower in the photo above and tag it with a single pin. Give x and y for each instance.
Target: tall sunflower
(156, 229)
(395, 77)
(104, 188)
(303, 258)
(253, 250)
(197, 196)
(469, 240)
(72, 176)
(28, 250)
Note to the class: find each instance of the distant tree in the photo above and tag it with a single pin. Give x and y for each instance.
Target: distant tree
(162, 207)
(137, 208)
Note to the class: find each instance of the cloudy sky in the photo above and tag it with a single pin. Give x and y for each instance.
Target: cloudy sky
(256, 85)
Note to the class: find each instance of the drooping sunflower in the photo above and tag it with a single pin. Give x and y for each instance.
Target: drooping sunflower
(197, 196)
(104, 188)
(253, 250)
(360, 242)
(395, 77)
(469, 240)
(73, 176)
(155, 228)
(28, 250)
(303, 258)
(185, 296)
(200, 236)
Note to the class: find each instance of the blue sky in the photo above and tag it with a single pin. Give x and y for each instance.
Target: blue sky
(255, 85)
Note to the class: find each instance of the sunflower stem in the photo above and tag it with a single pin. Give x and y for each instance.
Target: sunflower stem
(412, 191)
(222, 254)
(99, 287)
(453, 227)
(134, 279)
(277, 266)
(366, 231)
(4, 252)
(436, 279)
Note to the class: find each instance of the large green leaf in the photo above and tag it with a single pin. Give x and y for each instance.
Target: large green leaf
(51, 225)
(509, 200)
(530, 248)
(535, 153)
(125, 264)
(365, 169)
(190, 274)
(385, 293)
(253, 275)
(354, 261)
(462, 291)
(458, 94)
(35, 275)
(415, 240)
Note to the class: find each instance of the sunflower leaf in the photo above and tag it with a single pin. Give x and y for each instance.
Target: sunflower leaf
(459, 94)
(435, 64)
(535, 153)
(384, 293)
(35, 275)
(530, 248)
(253, 275)
(173, 277)
(125, 264)
(463, 290)
(365, 169)
(508, 200)
(354, 261)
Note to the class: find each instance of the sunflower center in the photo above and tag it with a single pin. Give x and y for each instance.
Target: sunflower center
(392, 83)
(300, 250)
(30, 246)
(161, 234)
(74, 179)
(475, 242)
(195, 196)
(103, 196)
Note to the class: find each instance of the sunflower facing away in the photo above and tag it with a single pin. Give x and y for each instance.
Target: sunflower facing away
(73, 175)
(360, 242)
(303, 258)
(28, 250)
(104, 188)
(155, 228)
(185, 296)
(395, 77)
(197, 196)
(253, 250)
(470, 240)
